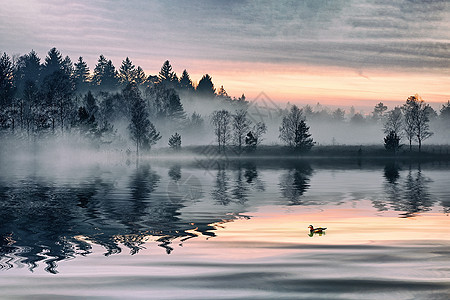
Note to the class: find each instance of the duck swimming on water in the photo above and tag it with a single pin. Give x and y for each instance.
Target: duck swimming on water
(316, 230)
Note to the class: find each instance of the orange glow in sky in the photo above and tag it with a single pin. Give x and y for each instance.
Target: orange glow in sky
(331, 86)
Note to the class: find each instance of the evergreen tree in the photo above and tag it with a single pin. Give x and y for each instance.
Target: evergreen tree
(105, 74)
(99, 70)
(110, 79)
(6, 81)
(392, 142)
(142, 131)
(86, 122)
(67, 66)
(127, 72)
(338, 115)
(223, 95)
(81, 74)
(130, 95)
(175, 141)
(28, 69)
(205, 87)
(139, 77)
(58, 90)
(53, 62)
(186, 82)
(166, 73)
(294, 131)
(445, 111)
(90, 104)
(378, 111)
(175, 111)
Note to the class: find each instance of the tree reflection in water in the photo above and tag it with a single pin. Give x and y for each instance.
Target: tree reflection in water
(45, 221)
(410, 195)
(295, 183)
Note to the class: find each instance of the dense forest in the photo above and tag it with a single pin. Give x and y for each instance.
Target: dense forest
(128, 109)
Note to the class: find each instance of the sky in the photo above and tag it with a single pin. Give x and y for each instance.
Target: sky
(339, 53)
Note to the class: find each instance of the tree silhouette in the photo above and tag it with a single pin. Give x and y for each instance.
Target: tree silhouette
(166, 74)
(53, 62)
(67, 67)
(142, 131)
(378, 111)
(139, 76)
(392, 142)
(28, 69)
(175, 141)
(241, 125)
(81, 74)
(186, 82)
(294, 131)
(127, 72)
(105, 74)
(417, 120)
(205, 87)
(338, 115)
(394, 122)
(6, 80)
(221, 120)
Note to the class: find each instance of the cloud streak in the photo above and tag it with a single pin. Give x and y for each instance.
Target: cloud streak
(363, 36)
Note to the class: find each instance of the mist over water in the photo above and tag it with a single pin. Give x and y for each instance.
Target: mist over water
(188, 228)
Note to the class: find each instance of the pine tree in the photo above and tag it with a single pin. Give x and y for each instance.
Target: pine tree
(28, 69)
(99, 70)
(127, 72)
(186, 82)
(139, 77)
(67, 66)
(392, 142)
(6, 80)
(105, 74)
(205, 87)
(53, 62)
(142, 131)
(175, 141)
(166, 73)
(222, 94)
(81, 74)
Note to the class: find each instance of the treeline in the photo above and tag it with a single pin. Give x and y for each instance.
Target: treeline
(55, 97)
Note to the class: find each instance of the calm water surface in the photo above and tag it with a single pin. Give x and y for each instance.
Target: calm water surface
(201, 230)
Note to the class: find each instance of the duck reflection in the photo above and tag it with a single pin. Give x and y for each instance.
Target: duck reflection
(295, 183)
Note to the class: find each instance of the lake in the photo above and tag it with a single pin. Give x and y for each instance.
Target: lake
(206, 229)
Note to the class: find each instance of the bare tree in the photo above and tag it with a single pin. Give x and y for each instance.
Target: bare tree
(394, 122)
(221, 121)
(417, 120)
(241, 125)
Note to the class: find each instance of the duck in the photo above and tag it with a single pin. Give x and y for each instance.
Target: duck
(316, 230)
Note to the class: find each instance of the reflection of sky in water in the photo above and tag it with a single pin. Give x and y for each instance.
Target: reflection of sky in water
(249, 220)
